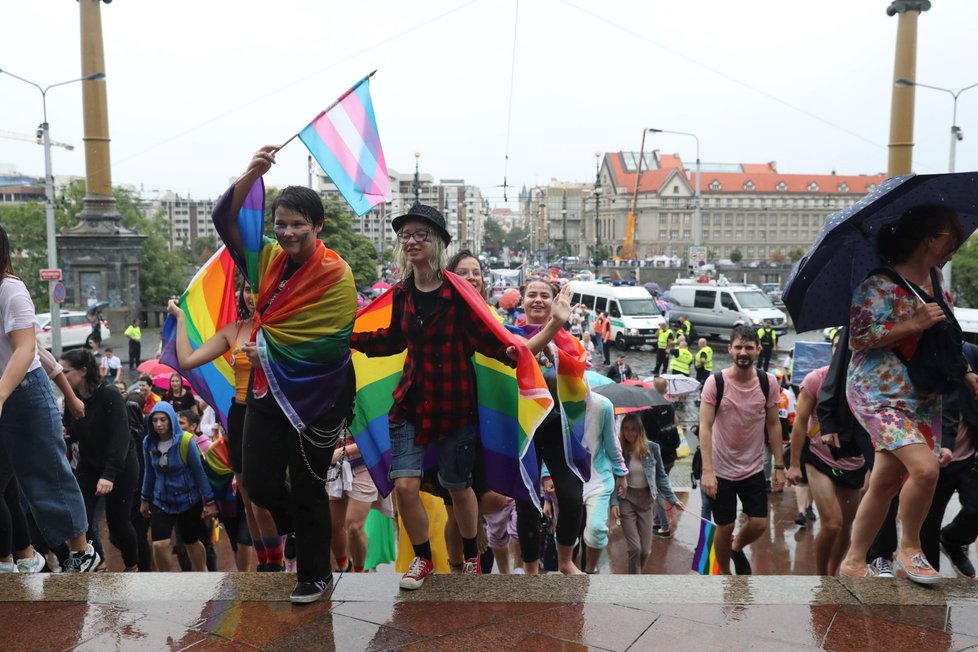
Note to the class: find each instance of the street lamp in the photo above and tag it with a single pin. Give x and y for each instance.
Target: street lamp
(956, 133)
(49, 193)
(597, 202)
(697, 221)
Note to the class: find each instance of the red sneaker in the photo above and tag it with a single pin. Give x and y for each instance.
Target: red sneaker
(472, 566)
(419, 569)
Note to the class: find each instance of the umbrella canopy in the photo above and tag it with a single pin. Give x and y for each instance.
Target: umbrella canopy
(380, 286)
(630, 398)
(654, 289)
(154, 367)
(818, 292)
(680, 385)
(163, 381)
(509, 299)
(594, 379)
(95, 307)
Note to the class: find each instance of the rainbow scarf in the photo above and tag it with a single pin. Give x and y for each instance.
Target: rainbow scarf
(512, 402)
(209, 303)
(302, 330)
(705, 556)
(573, 393)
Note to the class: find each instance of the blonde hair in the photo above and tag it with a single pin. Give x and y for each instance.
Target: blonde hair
(437, 260)
(638, 449)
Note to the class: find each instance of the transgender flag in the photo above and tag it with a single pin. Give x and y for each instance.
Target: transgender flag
(345, 141)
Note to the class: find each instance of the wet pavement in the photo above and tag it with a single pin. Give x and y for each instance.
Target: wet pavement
(782, 607)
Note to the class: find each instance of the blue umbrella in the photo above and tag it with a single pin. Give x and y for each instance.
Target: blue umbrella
(818, 292)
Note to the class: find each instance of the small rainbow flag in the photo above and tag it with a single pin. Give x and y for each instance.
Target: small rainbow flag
(209, 303)
(512, 402)
(705, 556)
(346, 143)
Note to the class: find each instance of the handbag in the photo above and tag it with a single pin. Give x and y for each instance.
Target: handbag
(937, 365)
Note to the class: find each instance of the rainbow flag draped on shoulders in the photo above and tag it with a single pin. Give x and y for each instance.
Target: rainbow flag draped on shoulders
(512, 402)
(570, 363)
(209, 304)
(302, 329)
(705, 556)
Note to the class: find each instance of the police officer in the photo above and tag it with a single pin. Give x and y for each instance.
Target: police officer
(704, 360)
(681, 359)
(666, 336)
(769, 340)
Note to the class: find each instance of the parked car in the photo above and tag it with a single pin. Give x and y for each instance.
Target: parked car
(715, 308)
(76, 329)
(633, 313)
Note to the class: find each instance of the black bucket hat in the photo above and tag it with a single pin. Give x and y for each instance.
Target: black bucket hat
(428, 214)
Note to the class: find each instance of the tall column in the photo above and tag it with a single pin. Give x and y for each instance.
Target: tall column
(98, 170)
(904, 67)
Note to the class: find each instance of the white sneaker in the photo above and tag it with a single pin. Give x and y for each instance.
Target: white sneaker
(8, 567)
(33, 565)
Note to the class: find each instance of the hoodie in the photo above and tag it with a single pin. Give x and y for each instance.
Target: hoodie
(176, 486)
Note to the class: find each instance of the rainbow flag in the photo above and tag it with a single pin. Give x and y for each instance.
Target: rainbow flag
(209, 303)
(302, 330)
(346, 143)
(705, 556)
(570, 364)
(512, 402)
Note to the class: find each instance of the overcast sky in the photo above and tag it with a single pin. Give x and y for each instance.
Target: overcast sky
(194, 86)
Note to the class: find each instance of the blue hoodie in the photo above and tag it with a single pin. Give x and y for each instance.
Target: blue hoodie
(178, 487)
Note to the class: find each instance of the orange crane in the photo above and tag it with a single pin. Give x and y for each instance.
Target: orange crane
(628, 249)
(10, 135)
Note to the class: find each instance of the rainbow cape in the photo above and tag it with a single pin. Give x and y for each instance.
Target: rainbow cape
(705, 556)
(303, 329)
(512, 402)
(209, 303)
(570, 363)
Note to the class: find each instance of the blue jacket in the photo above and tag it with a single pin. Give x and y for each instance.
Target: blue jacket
(655, 474)
(179, 486)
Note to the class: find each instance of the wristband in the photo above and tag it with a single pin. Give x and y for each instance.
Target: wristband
(779, 467)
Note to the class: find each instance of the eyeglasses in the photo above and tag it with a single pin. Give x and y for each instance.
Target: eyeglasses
(419, 236)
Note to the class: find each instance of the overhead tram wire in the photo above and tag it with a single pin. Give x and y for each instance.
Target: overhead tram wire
(509, 115)
(725, 75)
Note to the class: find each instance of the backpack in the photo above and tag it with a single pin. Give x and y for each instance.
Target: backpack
(762, 378)
(937, 365)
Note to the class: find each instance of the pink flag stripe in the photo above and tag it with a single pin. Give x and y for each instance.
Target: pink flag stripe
(348, 160)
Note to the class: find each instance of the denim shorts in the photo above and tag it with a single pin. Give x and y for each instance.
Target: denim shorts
(456, 456)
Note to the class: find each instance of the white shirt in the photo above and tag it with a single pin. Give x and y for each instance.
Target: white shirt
(16, 313)
(110, 365)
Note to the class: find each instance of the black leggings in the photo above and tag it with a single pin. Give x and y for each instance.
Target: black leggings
(118, 504)
(549, 445)
(14, 532)
(271, 446)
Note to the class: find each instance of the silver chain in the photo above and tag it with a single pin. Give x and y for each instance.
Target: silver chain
(326, 443)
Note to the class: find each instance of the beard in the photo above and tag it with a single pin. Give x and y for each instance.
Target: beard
(744, 361)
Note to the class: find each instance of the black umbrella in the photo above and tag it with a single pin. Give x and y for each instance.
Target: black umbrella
(95, 307)
(627, 398)
(818, 292)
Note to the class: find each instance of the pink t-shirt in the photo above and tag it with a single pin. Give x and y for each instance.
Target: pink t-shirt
(964, 444)
(739, 430)
(813, 385)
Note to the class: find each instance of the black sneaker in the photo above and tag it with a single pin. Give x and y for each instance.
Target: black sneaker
(86, 561)
(306, 592)
(661, 533)
(959, 558)
(261, 568)
(740, 562)
(800, 520)
(810, 513)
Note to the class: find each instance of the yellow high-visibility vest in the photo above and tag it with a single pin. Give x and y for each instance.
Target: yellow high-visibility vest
(664, 337)
(680, 362)
(704, 359)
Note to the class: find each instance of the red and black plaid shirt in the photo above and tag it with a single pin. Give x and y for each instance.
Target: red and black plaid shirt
(439, 352)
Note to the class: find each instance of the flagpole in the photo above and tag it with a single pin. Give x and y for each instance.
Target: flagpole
(337, 101)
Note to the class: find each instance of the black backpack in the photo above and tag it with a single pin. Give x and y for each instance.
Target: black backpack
(938, 365)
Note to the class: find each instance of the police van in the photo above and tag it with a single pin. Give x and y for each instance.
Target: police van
(632, 311)
(714, 308)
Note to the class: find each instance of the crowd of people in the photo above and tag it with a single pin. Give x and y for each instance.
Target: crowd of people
(859, 439)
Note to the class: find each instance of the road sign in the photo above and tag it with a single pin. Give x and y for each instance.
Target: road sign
(58, 292)
(697, 256)
(50, 274)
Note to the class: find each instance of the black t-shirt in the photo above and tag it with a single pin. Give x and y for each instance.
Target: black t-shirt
(185, 402)
(425, 304)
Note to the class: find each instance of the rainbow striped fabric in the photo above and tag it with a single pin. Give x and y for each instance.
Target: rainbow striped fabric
(346, 143)
(512, 403)
(705, 556)
(209, 303)
(302, 329)
(570, 364)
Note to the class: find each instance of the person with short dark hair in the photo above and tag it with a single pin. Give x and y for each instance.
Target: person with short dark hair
(732, 437)
(620, 371)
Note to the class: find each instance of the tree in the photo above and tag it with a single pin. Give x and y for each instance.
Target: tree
(25, 227)
(356, 250)
(777, 257)
(203, 248)
(965, 278)
(493, 238)
(517, 239)
(795, 255)
(736, 256)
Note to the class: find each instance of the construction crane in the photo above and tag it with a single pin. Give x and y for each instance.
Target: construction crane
(628, 249)
(10, 135)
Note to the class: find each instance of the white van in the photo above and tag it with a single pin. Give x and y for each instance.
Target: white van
(632, 311)
(968, 321)
(715, 308)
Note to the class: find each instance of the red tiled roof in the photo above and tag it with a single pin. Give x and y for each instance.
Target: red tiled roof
(764, 176)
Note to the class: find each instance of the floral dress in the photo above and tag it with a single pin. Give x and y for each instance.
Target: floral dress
(878, 386)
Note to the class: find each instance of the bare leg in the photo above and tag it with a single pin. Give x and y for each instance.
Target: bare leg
(917, 493)
(411, 509)
(884, 483)
(338, 542)
(823, 490)
(162, 555)
(198, 556)
(356, 517)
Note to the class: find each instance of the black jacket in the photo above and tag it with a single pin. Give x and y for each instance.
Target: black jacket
(104, 442)
(834, 415)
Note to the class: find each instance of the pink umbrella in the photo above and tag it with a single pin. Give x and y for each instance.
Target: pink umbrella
(380, 286)
(509, 299)
(154, 367)
(163, 381)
